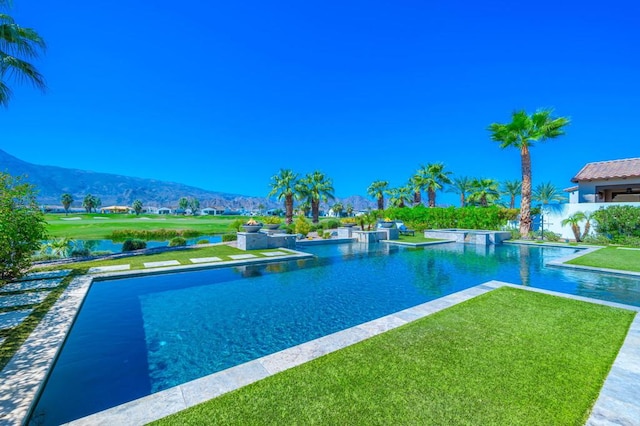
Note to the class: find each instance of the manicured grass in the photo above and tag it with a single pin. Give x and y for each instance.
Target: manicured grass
(417, 238)
(510, 357)
(612, 258)
(100, 226)
(183, 256)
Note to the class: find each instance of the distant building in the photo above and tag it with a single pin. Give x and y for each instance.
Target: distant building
(164, 210)
(213, 211)
(116, 209)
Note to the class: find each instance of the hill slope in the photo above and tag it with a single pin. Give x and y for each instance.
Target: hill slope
(52, 182)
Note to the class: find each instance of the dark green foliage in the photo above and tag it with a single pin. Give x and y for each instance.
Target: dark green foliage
(22, 226)
(177, 242)
(229, 237)
(80, 252)
(202, 242)
(421, 217)
(130, 245)
(618, 222)
(332, 224)
(153, 234)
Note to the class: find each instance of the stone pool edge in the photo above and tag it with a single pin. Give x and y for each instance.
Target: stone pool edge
(613, 404)
(22, 379)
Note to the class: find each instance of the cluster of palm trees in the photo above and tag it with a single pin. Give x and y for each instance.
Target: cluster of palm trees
(311, 189)
(89, 203)
(17, 46)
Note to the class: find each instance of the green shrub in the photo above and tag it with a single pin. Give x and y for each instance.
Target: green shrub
(618, 222)
(80, 252)
(202, 242)
(236, 224)
(272, 220)
(229, 237)
(597, 239)
(290, 228)
(326, 235)
(421, 217)
(177, 242)
(332, 224)
(152, 234)
(131, 245)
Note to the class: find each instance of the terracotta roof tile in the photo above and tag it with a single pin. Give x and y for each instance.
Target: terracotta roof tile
(616, 169)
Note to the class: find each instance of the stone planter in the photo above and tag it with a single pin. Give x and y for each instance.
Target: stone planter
(272, 225)
(347, 225)
(251, 228)
(386, 224)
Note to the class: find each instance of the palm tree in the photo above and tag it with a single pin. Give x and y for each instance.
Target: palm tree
(463, 186)
(484, 192)
(574, 220)
(435, 177)
(512, 188)
(66, 199)
(17, 45)
(194, 205)
(419, 184)
(337, 209)
(137, 207)
(546, 193)
(376, 190)
(183, 203)
(588, 216)
(89, 203)
(349, 210)
(283, 186)
(316, 188)
(521, 133)
(400, 197)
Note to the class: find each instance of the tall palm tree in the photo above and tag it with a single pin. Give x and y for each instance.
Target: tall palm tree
(89, 203)
(521, 133)
(377, 190)
(283, 186)
(546, 193)
(463, 186)
(435, 177)
(512, 188)
(349, 210)
(400, 197)
(66, 199)
(316, 187)
(588, 216)
(484, 192)
(17, 46)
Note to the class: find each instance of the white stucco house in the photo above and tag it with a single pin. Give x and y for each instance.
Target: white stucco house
(598, 185)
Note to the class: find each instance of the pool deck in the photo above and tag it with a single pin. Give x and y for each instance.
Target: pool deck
(23, 377)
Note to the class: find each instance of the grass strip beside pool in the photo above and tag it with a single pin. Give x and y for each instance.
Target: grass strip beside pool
(611, 258)
(507, 357)
(183, 256)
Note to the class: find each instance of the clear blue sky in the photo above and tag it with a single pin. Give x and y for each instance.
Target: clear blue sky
(221, 95)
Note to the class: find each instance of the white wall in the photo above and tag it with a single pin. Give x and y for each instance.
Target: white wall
(554, 215)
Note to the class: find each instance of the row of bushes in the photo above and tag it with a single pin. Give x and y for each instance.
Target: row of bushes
(421, 217)
(152, 234)
(620, 224)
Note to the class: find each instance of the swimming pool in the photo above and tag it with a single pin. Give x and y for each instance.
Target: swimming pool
(137, 336)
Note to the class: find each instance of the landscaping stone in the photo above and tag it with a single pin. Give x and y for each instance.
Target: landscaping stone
(31, 285)
(48, 274)
(111, 268)
(161, 263)
(242, 256)
(13, 318)
(22, 299)
(205, 259)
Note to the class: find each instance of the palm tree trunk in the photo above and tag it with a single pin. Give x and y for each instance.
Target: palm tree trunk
(431, 194)
(288, 208)
(380, 202)
(462, 199)
(417, 198)
(587, 228)
(315, 210)
(525, 204)
(576, 231)
(512, 203)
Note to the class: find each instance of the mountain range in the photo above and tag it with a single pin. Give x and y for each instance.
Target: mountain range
(51, 182)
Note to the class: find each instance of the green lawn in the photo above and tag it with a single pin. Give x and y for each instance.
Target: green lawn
(510, 357)
(417, 238)
(183, 256)
(100, 226)
(612, 258)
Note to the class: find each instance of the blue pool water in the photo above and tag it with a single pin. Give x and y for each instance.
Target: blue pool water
(137, 336)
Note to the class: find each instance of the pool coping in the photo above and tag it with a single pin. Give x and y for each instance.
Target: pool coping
(23, 377)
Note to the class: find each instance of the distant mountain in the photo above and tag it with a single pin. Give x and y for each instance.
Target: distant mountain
(51, 182)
